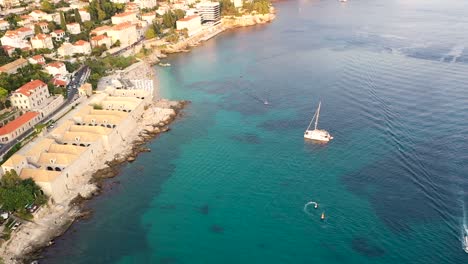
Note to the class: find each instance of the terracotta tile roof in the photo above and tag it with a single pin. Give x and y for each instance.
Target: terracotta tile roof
(98, 38)
(58, 82)
(56, 64)
(122, 26)
(124, 14)
(41, 36)
(24, 29)
(17, 123)
(59, 31)
(24, 17)
(80, 43)
(42, 24)
(38, 12)
(149, 14)
(30, 86)
(38, 58)
(72, 24)
(14, 64)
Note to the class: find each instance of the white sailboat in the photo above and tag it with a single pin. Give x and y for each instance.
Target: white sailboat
(317, 134)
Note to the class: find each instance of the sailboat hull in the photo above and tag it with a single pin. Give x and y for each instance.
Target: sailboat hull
(318, 135)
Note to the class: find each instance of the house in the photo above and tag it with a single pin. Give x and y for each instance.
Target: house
(17, 127)
(148, 17)
(37, 15)
(8, 50)
(191, 23)
(26, 20)
(100, 30)
(67, 49)
(58, 34)
(54, 17)
(74, 28)
(84, 14)
(12, 67)
(17, 38)
(37, 59)
(56, 68)
(4, 25)
(100, 40)
(60, 81)
(162, 9)
(30, 96)
(82, 47)
(126, 33)
(42, 41)
(44, 26)
(142, 4)
(124, 17)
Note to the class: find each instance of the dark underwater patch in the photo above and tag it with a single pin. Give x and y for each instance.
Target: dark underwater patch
(277, 125)
(364, 247)
(217, 229)
(204, 210)
(247, 138)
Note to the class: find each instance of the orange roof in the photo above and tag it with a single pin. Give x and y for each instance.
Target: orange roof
(59, 82)
(59, 31)
(38, 12)
(24, 29)
(121, 26)
(80, 43)
(98, 38)
(124, 14)
(72, 24)
(17, 123)
(37, 57)
(56, 64)
(188, 18)
(30, 86)
(149, 14)
(25, 17)
(42, 24)
(41, 36)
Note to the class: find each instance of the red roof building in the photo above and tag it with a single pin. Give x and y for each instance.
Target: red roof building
(18, 126)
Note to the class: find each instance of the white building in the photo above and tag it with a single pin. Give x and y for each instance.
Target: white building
(124, 17)
(56, 68)
(82, 47)
(30, 96)
(74, 28)
(85, 15)
(37, 59)
(58, 34)
(42, 41)
(44, 26)
(67, 49)
(237, 3)
(4, 25)
(209, 11)
(148, 17)
(120, 1)
(191, 23)
(37, 15)
(126, 33)
(17, 38)
(146, 3)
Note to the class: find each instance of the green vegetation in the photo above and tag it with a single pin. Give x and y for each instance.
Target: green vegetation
(98, 51)
(24, 75)
(103, 9)
(37, 29)
(4, 59)
(101, 65)
(63, 22)
(16, 194)
(3, 96)
(227, 8)
(97, 107)
(169, 18)
(13, 20)
(77, 15)
(47, 6)
(258, 6)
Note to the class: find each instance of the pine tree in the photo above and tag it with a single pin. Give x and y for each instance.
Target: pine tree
(63, 22)
(77, 16)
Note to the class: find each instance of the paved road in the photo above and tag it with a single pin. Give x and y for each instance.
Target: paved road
(72, 94)
(128, 47)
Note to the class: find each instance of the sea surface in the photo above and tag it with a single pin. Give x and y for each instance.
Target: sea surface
(229, 182)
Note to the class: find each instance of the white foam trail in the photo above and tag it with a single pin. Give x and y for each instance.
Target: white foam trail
(307, 204)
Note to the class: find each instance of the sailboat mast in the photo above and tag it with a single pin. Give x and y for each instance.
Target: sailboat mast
(318, 113)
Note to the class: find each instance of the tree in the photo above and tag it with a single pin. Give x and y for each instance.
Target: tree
(37, 29)
(13, 20)
(77, 16)
(10, 179)
(149, 34)
(63, 22)
(3, 96)
(116, 44)
(47, 7)
(52, 26)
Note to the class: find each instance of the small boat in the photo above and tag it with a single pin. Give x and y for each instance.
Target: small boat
(317, 134)
(322, 217)
(465, 243)
(164, 64)
(265, 102)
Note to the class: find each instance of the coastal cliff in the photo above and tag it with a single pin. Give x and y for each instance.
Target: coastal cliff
(247, 20)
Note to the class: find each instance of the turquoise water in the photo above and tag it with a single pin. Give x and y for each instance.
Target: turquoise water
(229, 183)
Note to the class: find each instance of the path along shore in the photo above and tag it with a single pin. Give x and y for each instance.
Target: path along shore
(54, 219)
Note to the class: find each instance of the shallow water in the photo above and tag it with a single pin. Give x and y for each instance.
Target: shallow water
(229, 183)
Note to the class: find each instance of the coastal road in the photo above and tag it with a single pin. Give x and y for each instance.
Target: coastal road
(80, 76)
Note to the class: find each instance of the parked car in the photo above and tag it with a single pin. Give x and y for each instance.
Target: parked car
(16, 225)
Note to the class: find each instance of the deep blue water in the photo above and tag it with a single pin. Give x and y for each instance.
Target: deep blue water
(229, 182)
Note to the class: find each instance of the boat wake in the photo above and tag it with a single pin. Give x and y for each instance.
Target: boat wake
(307, 205)
(464, 230)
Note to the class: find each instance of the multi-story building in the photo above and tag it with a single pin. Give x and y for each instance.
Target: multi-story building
(67, 49)
(124, 17)
(148, 17)
(58, 34)
(100, 30)
(209, 11)
(17, 38)
(37, 59)
(30, 96)
(7, 4)
(42, 41)
(17, 127)
(44, 26)
(37, 15)
(56, 68)
(12, 67)
(191, 23)
(74, 28)
(126, 33)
